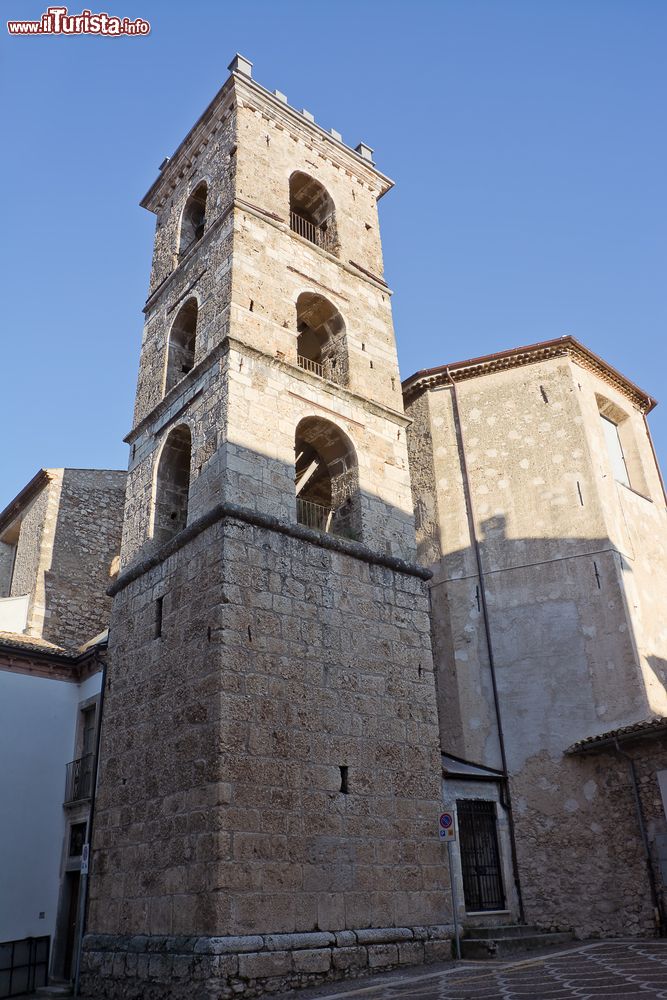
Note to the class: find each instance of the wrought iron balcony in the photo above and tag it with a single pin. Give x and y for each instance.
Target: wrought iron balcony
(79, 779)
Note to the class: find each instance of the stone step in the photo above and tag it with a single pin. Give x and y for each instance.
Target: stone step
(57, 990)
(502, 947)
(502, 931)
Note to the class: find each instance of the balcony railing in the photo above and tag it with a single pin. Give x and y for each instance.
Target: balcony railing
(310, 366)
(302, 227)
(313, 515)
(79, 779)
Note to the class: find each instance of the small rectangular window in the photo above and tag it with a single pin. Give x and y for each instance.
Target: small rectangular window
(158, 617)
(77, 838)
(615, 450)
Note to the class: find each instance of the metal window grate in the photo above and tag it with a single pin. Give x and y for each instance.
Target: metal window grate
(480, 857)
(24, 965)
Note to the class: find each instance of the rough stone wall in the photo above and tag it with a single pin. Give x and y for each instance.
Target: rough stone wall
(6, 564)
(561, 619)
(204, 272)
(29, 545)
(85, 540)
(220, 808)
(68, 537)
(579, 847)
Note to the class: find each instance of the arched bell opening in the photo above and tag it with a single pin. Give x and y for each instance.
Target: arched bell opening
(193, 220)
(327, 479)
(172, 485)
(322, 339)
(312, 212)
(181, 349)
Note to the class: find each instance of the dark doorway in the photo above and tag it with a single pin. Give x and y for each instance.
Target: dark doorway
(73, 879)
(480, 857)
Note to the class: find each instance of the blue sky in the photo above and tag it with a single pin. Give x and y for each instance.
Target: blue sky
(526, 139)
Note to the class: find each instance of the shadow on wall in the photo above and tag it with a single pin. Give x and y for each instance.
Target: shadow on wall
(568, 661)
(569, 665)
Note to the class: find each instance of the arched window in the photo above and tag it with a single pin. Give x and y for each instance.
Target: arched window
(181, 349)
(326, 479)
(322, 341)
(193, 219)
(172, 485)
(312, 212)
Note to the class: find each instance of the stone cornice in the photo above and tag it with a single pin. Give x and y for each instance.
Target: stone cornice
(250, 94)
(233, 512)
(433, 378)
(356, 270)
(231, 343)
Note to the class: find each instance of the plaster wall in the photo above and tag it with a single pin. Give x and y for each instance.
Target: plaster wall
(565, 605)
(38, 719)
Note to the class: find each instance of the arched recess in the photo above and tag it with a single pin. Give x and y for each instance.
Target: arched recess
(181, 349)
(326, 479)
(193, 220)
(172, 485)
(312, 212)
(322, 339)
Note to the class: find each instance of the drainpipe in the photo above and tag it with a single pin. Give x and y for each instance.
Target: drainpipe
(489, 644)
(658, 914)
(83, 890)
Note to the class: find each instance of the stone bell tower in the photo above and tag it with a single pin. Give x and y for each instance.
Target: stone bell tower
(270, 771)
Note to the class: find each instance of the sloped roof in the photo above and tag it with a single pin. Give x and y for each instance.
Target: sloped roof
(638, 730)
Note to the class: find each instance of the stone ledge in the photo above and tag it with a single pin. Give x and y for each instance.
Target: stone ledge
(223, 511)
(133, 967)
(208, 945)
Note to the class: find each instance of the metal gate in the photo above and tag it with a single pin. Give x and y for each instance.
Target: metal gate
(480, 857)
(24, 965)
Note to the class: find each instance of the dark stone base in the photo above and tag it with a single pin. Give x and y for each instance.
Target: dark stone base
(218, 968)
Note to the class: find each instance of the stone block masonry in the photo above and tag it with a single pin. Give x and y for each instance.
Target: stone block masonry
(222, 809)
(187, 967)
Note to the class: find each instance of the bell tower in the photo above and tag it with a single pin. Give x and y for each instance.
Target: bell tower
(270, 772)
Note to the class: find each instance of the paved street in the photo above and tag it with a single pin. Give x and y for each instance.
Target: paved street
(586, 972)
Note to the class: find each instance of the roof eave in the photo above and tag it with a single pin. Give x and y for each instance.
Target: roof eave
(150, 200)
(428, 378)
(29, 491)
